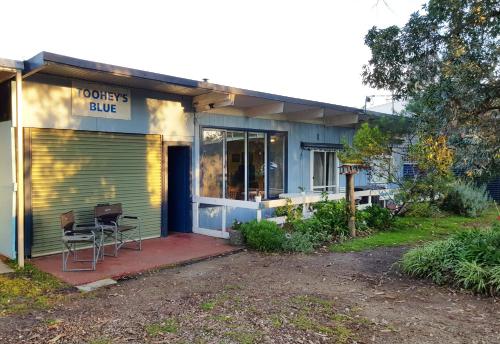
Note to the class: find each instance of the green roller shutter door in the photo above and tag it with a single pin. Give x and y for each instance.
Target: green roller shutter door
(75, 170)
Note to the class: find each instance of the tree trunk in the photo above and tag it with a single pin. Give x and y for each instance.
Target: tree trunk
(351, 204)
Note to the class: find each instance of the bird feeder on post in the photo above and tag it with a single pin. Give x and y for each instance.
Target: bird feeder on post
(350, 170)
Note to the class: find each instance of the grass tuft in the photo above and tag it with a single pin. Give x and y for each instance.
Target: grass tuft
(166, 326)
(208, 305)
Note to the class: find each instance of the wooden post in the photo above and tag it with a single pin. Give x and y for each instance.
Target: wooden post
(20, 170)
(351, 203)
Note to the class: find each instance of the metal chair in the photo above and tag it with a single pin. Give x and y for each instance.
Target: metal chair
(73, 235)
(117, 226)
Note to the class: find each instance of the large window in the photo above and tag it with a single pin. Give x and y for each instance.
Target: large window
(240, 165)
(324, 171)
(211, 163)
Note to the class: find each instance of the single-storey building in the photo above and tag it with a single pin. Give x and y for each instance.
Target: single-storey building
(185, 155)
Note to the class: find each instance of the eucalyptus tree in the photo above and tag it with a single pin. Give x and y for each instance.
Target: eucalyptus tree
(445, 61)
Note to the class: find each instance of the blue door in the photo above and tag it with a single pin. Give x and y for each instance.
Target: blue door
(179, 190)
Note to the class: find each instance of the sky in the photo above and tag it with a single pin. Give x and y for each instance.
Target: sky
(306, 49)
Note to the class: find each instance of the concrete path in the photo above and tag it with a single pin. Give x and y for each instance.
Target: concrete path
(4, 269)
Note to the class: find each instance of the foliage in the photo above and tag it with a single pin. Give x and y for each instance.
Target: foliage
(236, 225)
(368, 143)
(313, 229)
(298, 242)
(377, 151)
(423, 209)
(264, 236)
(469, 259)
(433, 158)
(466, 199)
(432, 155)
(332, 216)
(292, 212)
(412, 230)
(445, 61)
(377, 217)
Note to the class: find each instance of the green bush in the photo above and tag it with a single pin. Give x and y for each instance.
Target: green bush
(298, 242)
(264, 236)
(466, 199)
(377, 217)
(332, 216)
(423, 209)
(469, 259)
(313, 229)
(292, 212)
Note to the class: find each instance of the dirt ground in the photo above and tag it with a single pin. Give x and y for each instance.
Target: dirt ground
(257, 298)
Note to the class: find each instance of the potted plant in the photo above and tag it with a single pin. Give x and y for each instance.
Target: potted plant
(235, 235)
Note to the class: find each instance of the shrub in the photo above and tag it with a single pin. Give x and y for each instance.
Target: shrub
(469, 259)
(472, 276)
(434, 261)
(377, 217)
(466, 199)
(314, 229)
(292, 212)
(263, 236)
(423, 209)
(298, 242)
(333, 216)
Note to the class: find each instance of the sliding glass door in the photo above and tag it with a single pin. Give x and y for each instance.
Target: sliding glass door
(235, 162)
(276, 168)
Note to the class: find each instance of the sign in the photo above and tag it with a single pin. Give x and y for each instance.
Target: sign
(95, 100)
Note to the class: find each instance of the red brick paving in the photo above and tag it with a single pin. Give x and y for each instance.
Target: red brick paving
(175, 249)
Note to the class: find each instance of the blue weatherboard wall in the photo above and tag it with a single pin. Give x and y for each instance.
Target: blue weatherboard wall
(298, 159)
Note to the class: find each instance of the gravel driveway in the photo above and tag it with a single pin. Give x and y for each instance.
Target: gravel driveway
(257, 298)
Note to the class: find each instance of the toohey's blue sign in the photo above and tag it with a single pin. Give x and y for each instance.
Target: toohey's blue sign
(89, 99)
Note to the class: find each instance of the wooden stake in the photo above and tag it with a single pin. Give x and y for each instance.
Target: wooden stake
(351, 203)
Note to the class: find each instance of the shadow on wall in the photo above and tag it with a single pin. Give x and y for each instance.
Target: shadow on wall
(75, 170)
(169, 119)
(48, 106)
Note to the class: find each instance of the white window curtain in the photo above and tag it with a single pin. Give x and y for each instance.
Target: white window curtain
(324, 171)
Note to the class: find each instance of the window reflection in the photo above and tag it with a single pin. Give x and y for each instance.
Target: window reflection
(276, 154)
(235, 160)
(211, 163)
(224, 166)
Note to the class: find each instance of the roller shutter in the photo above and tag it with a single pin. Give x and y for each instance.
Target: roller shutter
(75, 170)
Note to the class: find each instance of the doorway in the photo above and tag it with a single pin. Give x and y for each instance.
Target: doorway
(179, 191)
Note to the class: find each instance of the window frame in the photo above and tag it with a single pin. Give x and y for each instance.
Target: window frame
(336, 175)
(246, 131)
